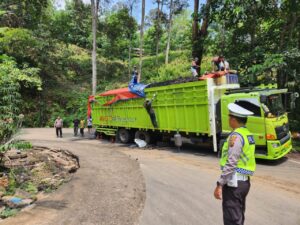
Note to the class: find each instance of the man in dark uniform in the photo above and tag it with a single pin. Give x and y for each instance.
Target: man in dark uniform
(237, 164)
(76, 124)
(150, 110)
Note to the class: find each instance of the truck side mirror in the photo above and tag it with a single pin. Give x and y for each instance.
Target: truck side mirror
(263, 98)
(289, 100)
(294, 96)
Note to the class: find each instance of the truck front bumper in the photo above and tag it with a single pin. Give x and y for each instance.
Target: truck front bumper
(276, 149)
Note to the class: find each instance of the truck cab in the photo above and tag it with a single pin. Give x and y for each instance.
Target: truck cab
(269, 123)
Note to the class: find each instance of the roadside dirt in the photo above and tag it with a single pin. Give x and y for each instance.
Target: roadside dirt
(295, 155)
(108, 188)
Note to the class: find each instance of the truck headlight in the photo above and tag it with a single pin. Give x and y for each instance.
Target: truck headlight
(275, 145)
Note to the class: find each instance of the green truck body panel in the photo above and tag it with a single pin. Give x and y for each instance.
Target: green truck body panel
(178, 107)
(185, 108)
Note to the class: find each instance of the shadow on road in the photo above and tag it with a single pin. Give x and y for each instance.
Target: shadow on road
(277, 162)
(188, 149)
(52, 204)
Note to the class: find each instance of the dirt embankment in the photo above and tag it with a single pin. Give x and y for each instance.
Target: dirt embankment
(25, 174)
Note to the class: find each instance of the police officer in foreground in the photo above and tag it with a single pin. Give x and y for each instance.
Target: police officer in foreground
(238, 165)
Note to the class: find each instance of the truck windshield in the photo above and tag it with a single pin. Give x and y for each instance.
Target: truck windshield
(274, 104)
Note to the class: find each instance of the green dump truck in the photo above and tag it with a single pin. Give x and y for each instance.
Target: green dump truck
(197, 111)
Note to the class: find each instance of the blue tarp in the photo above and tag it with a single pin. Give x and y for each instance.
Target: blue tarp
(136, 88)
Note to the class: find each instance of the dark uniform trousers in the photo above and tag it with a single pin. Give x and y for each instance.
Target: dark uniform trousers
(234, 203)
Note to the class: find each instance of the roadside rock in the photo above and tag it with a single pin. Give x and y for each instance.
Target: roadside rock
(4, 181)
(14, 154)
(37, 170)
(22, 194)
(16, 202)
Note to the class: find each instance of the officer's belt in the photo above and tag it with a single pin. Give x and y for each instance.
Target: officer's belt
(242, 177)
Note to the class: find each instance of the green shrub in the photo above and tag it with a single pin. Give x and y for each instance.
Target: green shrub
(8, 212)
(21, 145)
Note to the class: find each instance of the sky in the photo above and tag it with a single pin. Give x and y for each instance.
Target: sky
(136, 10)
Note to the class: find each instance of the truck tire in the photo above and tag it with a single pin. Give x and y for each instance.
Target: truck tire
(123, 135)
(143, 135)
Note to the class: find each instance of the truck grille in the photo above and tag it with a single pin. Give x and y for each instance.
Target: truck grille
(282, 131)
(285, 139)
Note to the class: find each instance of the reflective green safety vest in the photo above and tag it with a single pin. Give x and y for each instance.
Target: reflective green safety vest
(246, 164)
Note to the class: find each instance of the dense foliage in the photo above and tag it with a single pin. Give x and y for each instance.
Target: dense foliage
(45, 52)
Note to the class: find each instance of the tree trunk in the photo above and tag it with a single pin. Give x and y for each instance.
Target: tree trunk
(200, 35)
(169, 33)
(129, 50)
(157, 32)
(95, 5)
(142, 40)
(195, 27)
(285, 38)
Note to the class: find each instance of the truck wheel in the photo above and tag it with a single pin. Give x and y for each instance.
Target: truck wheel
(143, 135)
(123, 135)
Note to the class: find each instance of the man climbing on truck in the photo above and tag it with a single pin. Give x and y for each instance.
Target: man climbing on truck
(148, 107)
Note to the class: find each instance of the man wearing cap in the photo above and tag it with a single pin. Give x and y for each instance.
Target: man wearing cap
(237, 164)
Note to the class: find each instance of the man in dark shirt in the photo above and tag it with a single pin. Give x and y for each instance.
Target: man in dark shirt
(76, 124)
(148, 107)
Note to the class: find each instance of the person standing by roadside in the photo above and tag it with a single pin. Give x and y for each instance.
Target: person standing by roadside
(89, 124)
(238, 165)
(76, 124)
(58, 124)
(82, 127)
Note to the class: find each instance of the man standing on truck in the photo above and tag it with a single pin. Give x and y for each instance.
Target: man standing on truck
(238, 165)
(134, 75)
(195, 67)
(219, 63)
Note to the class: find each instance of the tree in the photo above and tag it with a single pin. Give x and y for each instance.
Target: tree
(11, 80)
(119, 28)
(131, 4)
(199, 35)
(95, 8)
(181, 31)
(169, 32)
(73, 25)
(23, 13)
(141, 39)
(157, 25)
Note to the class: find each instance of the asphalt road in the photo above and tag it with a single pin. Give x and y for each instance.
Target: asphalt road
(179, 186)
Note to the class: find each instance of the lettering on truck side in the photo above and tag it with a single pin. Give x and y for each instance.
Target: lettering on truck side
(117, 119)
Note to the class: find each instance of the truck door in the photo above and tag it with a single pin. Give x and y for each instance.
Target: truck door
(256, 122)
